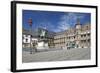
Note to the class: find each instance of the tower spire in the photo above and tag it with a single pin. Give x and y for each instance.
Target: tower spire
(78, 21)
(78, 25)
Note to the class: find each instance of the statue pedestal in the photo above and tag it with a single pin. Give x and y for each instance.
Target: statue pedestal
(42, 46)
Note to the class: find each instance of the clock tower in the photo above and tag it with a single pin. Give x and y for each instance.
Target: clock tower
(78, 31)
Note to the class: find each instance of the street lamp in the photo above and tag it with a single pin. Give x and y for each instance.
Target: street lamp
(30, 24)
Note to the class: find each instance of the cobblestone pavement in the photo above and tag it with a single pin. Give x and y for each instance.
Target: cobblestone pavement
(57, 55)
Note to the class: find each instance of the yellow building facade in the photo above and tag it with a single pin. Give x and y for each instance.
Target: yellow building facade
(75, 37)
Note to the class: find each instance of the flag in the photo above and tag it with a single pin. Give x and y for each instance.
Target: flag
(30, 21)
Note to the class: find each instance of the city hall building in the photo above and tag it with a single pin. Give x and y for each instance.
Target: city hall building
(78, 36)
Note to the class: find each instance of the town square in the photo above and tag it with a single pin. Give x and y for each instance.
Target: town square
(68, 37)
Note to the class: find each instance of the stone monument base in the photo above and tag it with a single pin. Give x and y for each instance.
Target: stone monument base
(42, 46)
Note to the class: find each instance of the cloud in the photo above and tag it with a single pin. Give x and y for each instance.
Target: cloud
(68, 20)
(47, 25)
(65, 22)
(63, 25)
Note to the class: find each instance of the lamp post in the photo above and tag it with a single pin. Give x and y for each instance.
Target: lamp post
(30, 24)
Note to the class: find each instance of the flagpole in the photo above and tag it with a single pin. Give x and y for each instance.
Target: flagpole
(30, 24)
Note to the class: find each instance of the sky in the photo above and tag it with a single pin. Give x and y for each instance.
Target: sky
(53, 21)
